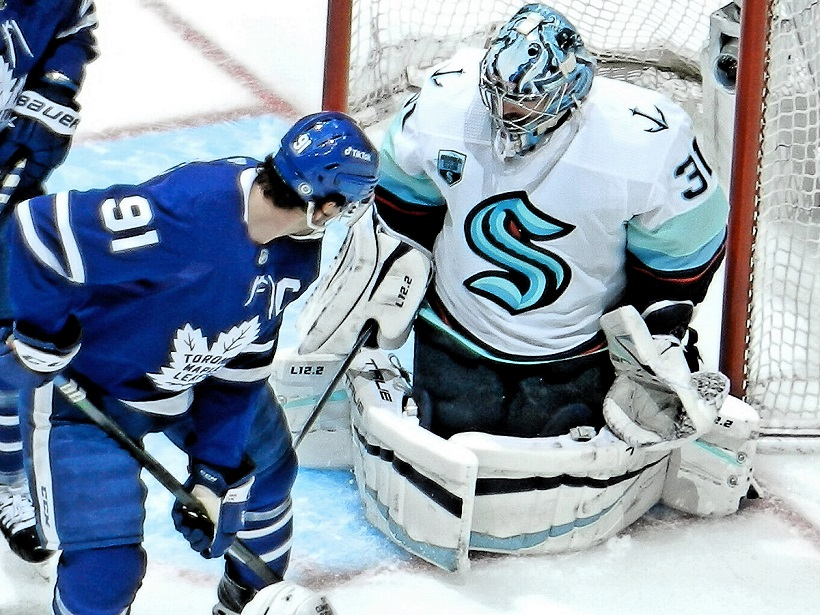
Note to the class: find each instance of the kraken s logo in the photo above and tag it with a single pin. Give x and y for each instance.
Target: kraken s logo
(502, 230)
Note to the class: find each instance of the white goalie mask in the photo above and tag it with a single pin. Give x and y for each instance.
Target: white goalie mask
(534, 75)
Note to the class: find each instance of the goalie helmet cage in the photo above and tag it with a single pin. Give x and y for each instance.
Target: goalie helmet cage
(379, 49)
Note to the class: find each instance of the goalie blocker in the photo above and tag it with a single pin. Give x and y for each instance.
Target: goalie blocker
(378, 276)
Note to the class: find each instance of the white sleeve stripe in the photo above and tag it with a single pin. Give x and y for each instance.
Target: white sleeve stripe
(244, 375)
(37, 247)
(72, 252)
(11, 447)
(258, 348)
(88, 19)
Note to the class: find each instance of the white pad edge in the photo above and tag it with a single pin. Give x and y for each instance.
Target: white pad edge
(416, 488)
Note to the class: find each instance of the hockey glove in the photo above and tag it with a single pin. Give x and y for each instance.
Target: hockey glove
(44, 121)
(655, 398)
(27, 362)
(224, 496)
(286, 598)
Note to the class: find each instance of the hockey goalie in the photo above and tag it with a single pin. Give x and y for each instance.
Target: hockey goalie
(669, 436)
(546, 234)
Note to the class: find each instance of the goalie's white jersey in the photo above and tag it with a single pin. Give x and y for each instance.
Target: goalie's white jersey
(533, 249)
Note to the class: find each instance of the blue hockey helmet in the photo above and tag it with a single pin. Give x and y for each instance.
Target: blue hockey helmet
(535, 72)
(326, 156)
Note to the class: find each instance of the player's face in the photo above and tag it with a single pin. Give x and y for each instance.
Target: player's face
(523, 111)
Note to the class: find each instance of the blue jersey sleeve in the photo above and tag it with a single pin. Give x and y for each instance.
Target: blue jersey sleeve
(73, 45)
(167, 285)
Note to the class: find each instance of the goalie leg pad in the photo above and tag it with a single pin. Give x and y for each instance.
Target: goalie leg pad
(416, 487)
(558, 494)
(710, 476)
(298, 382)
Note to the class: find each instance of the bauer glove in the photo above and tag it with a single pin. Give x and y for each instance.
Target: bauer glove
(224, 496)
(27, 362)
(44, 120)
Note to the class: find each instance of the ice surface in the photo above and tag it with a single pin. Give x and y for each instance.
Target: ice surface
(151, 105)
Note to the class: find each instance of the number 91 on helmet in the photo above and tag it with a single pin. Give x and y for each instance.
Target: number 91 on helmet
(326, 156)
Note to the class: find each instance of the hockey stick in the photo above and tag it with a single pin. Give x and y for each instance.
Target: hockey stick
(368, 330)
(73, 393)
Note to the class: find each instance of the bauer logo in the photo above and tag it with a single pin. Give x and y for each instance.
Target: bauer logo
(358, 154)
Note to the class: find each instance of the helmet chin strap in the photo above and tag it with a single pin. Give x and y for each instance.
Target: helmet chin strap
(316, 231)
(309, 212)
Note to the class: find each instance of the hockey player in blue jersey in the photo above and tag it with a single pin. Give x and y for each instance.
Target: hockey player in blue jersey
(164, 301)
(44, 49)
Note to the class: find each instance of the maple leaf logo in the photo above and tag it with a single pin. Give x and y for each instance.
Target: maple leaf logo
(193, 359)
(9, 91)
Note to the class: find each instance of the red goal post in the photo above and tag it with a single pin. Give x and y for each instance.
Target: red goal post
(765, 146)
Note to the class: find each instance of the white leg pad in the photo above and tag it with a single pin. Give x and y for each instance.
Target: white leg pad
(298, 382)
(551, 495)
(709, 476)
(415, 487)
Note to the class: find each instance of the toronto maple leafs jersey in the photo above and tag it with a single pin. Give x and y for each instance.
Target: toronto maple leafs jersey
(167, 286)
(533, 249)
(40, 37)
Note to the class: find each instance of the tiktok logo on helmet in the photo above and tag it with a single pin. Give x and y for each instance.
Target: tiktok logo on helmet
(502, 230)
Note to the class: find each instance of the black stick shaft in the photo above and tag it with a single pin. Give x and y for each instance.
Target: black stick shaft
(368, 330)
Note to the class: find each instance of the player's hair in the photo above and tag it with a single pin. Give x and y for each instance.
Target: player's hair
(276, 189)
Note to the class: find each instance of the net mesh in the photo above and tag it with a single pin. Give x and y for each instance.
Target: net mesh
(783, 356)
(652, 43)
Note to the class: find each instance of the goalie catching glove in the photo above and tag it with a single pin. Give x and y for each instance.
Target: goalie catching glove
(655, 397)
(376, 276)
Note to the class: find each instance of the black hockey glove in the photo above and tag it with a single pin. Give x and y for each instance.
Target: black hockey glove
(224, 495)
(43, 122)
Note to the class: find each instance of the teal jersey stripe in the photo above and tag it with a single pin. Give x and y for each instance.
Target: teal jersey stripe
(686, 241)
(413, 189)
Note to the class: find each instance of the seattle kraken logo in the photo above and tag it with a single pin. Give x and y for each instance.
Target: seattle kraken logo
(502, 230)
(451, 166)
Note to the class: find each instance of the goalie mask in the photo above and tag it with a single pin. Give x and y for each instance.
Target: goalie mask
(535, 73)
(327, 157)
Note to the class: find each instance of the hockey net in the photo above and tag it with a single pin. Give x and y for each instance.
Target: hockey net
(671, 46)
(393, 42)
